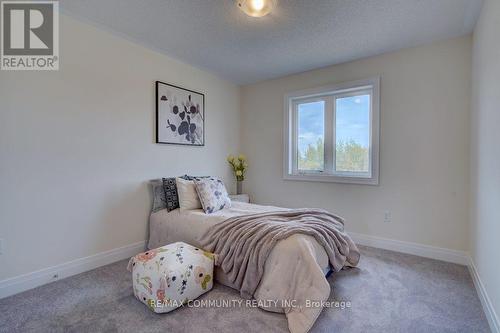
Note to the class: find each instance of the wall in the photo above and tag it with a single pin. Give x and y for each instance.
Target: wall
(77, 147)
(485, 151)
(425, 98)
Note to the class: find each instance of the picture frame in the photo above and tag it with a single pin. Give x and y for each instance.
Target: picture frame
(180, 115)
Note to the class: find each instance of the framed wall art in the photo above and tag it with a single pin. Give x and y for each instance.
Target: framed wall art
(180, 115)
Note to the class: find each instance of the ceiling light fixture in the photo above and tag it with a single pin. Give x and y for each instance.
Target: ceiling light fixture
(256, 8)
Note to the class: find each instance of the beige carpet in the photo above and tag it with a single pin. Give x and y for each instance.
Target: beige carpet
(389, 292)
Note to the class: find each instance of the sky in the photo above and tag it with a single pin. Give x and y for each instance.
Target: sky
(352, 121)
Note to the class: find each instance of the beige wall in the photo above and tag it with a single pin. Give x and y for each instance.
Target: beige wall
(423, 145)
(485, 150)
(77, 146)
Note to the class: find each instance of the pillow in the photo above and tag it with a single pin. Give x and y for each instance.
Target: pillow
(213, 194)
(159, 200)
(165, 193)
(188, 198)
(188, 177)
(171, 197)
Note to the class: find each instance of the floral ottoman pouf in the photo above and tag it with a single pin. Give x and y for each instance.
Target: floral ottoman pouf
(169, 276)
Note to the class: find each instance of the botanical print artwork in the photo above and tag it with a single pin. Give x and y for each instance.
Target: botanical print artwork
(180, 115)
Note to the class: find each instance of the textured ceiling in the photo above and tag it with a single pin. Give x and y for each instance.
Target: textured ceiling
(298, 35)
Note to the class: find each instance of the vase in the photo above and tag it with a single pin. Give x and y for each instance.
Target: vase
(239, 185)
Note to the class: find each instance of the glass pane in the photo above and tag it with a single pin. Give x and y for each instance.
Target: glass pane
(311, 136)
(352, 131)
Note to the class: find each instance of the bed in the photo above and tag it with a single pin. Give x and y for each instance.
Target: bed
(295, 269)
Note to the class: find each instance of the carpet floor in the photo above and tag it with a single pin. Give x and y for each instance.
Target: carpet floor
(389, 292)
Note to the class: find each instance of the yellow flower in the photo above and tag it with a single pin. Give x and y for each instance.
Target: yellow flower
(241, 157)
(230, 158)
(239, 173)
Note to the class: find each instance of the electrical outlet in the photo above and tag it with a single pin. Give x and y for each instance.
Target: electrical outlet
(387, 216)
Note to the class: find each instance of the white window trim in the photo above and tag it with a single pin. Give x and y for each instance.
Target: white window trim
(289, 168)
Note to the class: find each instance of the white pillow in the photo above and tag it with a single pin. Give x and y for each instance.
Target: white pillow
(212, 193)
(188, 197)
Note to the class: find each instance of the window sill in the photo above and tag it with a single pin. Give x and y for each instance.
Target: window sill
(332, 179)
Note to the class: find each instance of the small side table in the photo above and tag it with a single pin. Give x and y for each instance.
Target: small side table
(240, 197)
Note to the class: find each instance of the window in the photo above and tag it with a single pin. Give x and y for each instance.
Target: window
(310, 136)
(332, 133)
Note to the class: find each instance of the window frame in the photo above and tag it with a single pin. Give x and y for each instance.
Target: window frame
(329, 94)
(295, 132)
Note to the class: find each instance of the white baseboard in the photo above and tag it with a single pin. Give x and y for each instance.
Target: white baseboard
(489, 311)
(427, 251)
(31, 280)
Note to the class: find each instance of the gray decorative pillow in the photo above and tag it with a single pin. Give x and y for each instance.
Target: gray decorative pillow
(159, 200)
(171, 197)
(212, 193)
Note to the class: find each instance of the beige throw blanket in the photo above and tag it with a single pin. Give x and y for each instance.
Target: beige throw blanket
(243, 243)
